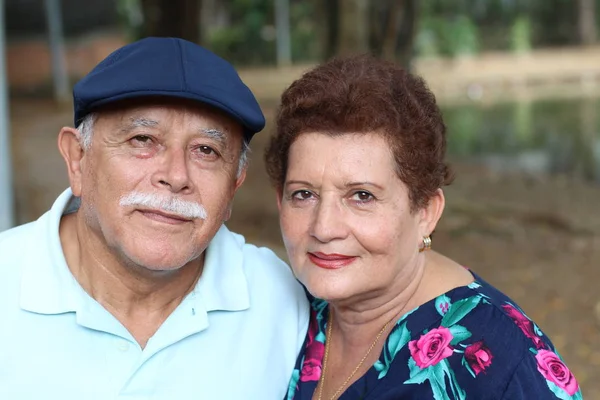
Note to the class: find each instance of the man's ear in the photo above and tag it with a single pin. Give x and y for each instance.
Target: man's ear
(72, 152)
(238, 182)
(240, 179)
(432, 212)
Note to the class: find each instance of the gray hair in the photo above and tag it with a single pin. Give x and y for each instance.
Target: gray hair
(86, 130)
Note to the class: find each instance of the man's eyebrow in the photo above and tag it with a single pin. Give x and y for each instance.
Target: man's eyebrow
(215, 134)
(138, 123)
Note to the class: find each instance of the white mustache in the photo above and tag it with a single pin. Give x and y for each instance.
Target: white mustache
(173, 205)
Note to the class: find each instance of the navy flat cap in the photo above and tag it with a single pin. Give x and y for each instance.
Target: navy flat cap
(168, 67)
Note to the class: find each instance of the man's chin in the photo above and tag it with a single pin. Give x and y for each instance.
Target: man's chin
(162, 261)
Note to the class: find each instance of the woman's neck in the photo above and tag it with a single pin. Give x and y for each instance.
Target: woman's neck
(356, 321)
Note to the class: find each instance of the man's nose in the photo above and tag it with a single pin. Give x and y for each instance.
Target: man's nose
(174, 172)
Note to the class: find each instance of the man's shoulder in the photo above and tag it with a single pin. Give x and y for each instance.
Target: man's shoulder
(264, 261)
(264, 268)
(257, 258)
(12, 241)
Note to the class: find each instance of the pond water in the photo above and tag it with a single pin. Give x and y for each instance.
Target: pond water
(549, 137)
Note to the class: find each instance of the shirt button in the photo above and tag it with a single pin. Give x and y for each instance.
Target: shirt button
(123, 346)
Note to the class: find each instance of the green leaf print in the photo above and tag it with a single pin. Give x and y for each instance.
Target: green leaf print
(459, 310)
(473, 285)
(460, 333)
(293, 384)
(457, 392)
(320, 337)
(436, 374)
(468, 367)
(417, 375)
(438, 381)
(442, 304)
(397, 340)
(560, 393)
(380, 367)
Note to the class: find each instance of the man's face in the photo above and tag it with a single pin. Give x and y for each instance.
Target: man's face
(158, 181)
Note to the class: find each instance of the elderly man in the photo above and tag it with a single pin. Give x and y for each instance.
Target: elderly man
(130, 286)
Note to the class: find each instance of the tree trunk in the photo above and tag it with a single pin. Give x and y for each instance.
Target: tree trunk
(327, 23)
(407, 33)
(393, 25)
(168, 18)
(587, 21)
(353, 31)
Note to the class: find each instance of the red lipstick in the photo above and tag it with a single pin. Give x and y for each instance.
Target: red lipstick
(330, 261)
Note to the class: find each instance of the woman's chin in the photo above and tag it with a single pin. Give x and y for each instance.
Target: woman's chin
(327, 290)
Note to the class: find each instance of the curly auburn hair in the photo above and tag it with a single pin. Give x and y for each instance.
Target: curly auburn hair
(362, 94)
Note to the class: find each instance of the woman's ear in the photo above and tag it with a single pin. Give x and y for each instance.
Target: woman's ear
(72, 152)
(432, 212)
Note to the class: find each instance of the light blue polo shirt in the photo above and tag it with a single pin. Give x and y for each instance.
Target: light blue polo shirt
(236, 336)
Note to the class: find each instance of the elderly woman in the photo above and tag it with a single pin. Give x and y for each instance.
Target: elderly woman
(358, 165)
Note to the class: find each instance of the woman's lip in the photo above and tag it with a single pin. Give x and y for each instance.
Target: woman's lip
(330, 261)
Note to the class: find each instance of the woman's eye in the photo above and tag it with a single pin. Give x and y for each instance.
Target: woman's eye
(362, 196)
(301, 195)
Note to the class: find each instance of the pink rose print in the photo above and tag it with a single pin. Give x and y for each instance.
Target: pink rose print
(525, 324)
(432, 347)
(554, 370)
(478, 356)
(313, 358)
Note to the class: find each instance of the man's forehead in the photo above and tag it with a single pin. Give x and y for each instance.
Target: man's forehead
(156, 113)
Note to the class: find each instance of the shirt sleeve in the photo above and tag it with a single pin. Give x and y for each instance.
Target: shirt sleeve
(542, 377)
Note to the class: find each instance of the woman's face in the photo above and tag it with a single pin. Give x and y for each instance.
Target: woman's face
(346, 217)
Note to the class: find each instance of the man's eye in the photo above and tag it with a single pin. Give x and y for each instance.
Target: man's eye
(206, 150)
(141, 140)
(205, 153)
(301, 195)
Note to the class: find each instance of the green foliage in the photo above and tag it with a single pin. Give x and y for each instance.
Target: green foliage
(304, 37)
(521, 35)
(462, 37)
(451, 28)
(447, 37)
(130, 17)
(248, 39)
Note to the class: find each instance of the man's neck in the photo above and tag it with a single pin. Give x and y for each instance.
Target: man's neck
(139, 298)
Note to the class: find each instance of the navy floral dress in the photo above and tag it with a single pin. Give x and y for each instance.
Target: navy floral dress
(472, 342)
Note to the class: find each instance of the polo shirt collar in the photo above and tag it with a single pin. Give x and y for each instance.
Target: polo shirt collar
(48, 287)
(223, 285)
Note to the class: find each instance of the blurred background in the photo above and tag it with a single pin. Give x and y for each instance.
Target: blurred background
(518, 81)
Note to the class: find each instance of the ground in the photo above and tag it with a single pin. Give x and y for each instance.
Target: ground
(538, 240)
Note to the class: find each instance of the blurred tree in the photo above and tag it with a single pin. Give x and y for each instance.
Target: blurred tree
(386, 28)
(179, 18)
(353, 35)
(394, 29)
(248, 35)
(327, 26)
(587, 21)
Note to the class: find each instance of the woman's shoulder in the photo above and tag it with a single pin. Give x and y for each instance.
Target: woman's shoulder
(488, 311)
(504, 341)
(479, 340)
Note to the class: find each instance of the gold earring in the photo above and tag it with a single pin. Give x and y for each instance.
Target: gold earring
(426, 244)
